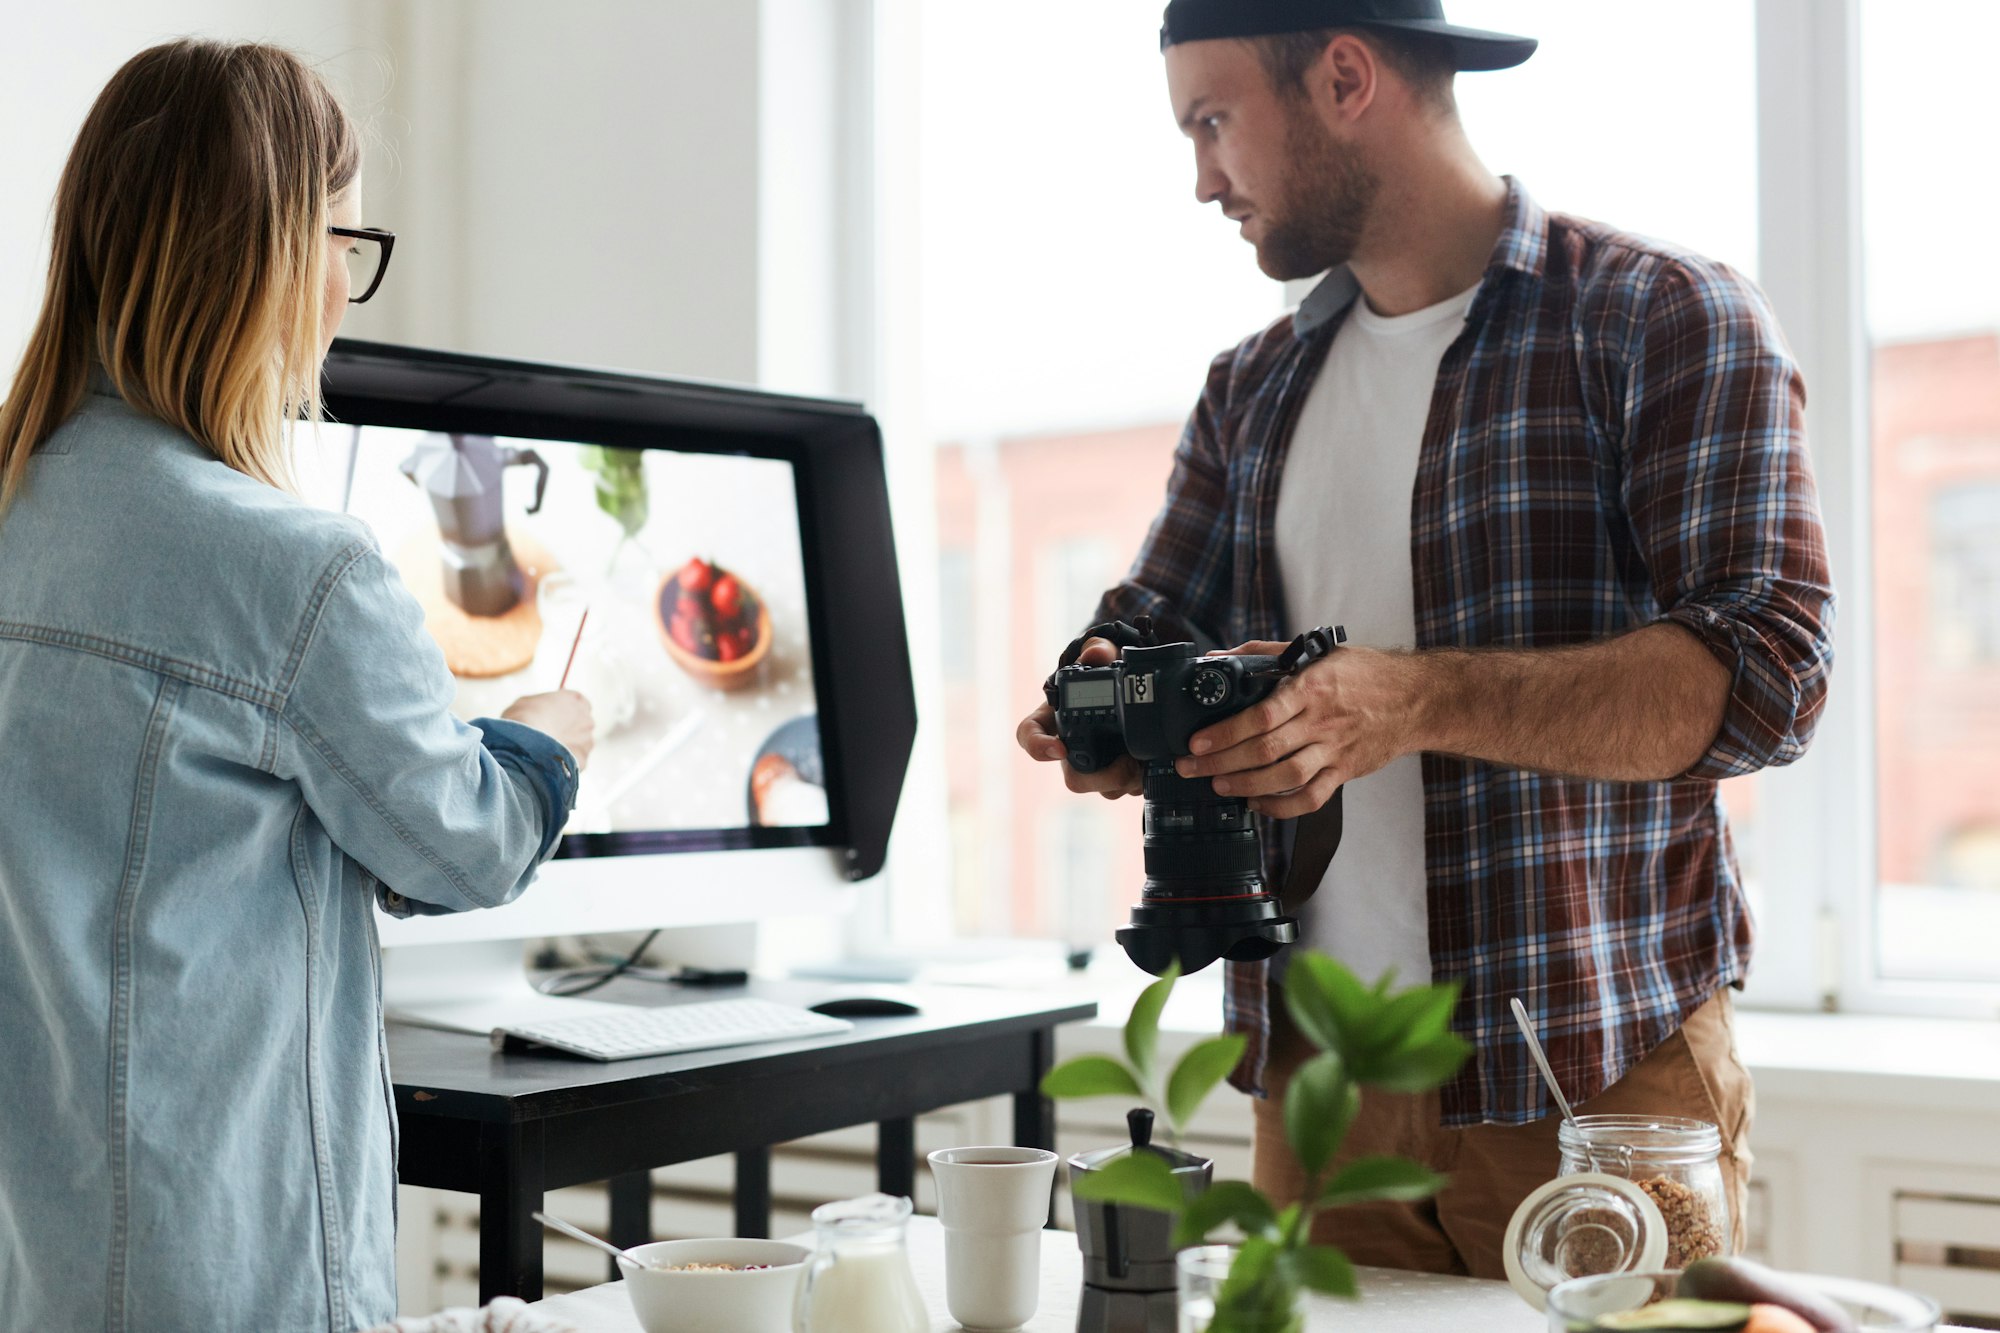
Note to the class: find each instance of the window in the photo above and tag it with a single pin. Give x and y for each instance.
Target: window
(1933, 325)
(958, 625)
(1965, 570)
(1073, 293)
(1601, 121)
(1080, 848)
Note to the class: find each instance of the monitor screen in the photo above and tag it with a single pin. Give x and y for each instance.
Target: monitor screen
(670, 587)
(744, 648)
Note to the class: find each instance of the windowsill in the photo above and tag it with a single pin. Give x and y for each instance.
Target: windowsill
(1938, 1064)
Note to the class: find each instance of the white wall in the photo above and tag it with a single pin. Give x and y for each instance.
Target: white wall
(60, 56)
(580, 183)
(570, 183)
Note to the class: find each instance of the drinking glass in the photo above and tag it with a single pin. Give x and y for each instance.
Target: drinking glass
(1202, 1272)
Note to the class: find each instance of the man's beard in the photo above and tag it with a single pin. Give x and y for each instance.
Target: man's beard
(1325, 196)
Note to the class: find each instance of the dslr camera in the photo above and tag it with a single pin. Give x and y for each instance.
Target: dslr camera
(1204, 897)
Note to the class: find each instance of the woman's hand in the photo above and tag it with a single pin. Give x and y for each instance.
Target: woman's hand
(563, 714)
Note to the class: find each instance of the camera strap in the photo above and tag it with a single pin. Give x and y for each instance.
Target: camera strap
(1315, 836)
(1120, 635)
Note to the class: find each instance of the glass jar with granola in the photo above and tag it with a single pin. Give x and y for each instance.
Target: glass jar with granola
(1676, 1162)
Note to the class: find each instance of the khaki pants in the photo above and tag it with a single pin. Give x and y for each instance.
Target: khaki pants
(1494, 1167)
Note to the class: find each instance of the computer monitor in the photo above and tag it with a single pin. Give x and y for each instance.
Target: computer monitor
(744, 644)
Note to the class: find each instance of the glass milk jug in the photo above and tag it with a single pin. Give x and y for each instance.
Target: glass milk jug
(858, 1279)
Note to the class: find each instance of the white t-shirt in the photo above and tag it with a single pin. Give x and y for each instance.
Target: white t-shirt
(1344, 553)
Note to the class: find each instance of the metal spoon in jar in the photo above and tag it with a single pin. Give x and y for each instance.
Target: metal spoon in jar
(1542, 1063)
(578, 1233)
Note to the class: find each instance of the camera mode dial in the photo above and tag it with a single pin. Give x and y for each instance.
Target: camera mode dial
(1210, 688)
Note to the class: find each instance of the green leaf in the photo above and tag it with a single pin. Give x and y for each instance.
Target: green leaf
(1224, 1201)
(1142, 1026)
(1328, 1003)
(1323, 1268)
(1422, 1068)
(1090, 1076)
(1144, 1180)
(1260, 1293)
(1206, 1064)
(1417, 1017)
(1319, 1106)
(1395, 1178)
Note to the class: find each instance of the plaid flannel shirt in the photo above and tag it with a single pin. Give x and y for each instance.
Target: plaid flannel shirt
(1616, 439)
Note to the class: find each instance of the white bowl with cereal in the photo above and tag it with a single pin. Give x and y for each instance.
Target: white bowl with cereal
(715, 1286)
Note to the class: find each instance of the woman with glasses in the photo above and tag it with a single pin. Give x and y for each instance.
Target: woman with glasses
(224, 737)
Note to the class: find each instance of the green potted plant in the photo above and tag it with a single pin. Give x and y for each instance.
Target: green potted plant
(1366, 1037)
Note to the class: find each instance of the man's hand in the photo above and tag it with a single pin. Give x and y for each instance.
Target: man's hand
(563, 714)
(1641, 707)
(1342, 717)
(1037, 735)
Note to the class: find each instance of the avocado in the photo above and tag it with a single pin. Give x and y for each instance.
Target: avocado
(1681, 1316)
(1752, 1283)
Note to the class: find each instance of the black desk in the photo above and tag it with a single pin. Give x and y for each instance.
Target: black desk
(509, 1127)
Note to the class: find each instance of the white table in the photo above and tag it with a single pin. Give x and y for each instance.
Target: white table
(1394, 1302)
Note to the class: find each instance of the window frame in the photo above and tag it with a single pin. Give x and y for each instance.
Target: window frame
(1822, 867)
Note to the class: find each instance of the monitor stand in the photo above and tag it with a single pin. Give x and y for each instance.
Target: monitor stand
(471, 987)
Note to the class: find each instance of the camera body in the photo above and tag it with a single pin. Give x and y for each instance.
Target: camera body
(1204, 897)
(1150, 703)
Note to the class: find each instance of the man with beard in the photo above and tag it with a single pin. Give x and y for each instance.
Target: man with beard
(1553, 479)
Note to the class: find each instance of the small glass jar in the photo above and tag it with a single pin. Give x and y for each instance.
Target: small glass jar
(858, 1279)
(1677, 1163)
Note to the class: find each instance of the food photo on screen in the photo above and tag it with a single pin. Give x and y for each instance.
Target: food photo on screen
(677, 578)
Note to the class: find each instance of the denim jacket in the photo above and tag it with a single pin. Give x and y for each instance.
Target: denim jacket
(223, 732)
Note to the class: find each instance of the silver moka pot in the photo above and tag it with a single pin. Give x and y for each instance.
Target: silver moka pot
(461, 475)
(1128, 1252)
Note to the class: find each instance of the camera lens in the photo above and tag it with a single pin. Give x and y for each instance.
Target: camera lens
(1204, 894)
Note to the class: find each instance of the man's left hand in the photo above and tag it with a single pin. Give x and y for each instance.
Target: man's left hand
(1341, 718)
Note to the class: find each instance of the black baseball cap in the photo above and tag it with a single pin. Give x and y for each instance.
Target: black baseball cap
(1471, 48)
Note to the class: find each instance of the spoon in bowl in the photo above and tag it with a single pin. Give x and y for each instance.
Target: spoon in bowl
(1542, 1062)
(578, 1233)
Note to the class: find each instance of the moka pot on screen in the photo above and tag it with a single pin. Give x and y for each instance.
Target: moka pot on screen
(1204, 897)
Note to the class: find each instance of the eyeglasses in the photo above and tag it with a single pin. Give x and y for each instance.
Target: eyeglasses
(367, 259)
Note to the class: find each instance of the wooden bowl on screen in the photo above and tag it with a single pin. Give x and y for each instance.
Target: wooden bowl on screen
(687, 620)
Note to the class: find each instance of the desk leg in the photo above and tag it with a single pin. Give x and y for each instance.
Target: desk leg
(896, 1157)
(631, 1212)
(510, 1189)
(1034, 1114)
(753, 1193)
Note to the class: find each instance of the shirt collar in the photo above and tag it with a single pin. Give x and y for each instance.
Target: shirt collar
(1523, 248)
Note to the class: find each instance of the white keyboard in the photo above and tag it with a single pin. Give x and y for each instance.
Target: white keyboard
(668, 1029)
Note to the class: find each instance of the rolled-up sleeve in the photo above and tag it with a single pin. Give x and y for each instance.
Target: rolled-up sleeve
(1720, 493)
(453, 816)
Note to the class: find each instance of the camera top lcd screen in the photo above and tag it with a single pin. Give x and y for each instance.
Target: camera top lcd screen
(1089, 694)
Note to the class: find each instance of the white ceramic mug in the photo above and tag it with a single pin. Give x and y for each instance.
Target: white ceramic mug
(993, 1203)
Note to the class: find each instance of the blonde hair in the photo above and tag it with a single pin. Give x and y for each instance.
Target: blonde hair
(189, 255)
